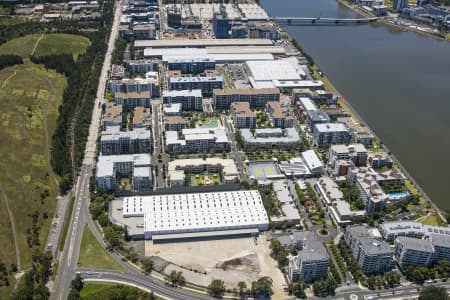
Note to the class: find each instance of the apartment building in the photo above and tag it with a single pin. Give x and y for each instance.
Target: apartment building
(203, 83)
(175, 123)
(197, 140)
(326, 134)
(270, 137)
(413, 251)
(255, 97)
(263, 30)
(189, 99)
(280, 116)
(373, 254)
(144, 31)
(140, 66)
(112, 115)
(356, 153)
(360, 133)
(130, 100)
(378, 160)
(111, 168)
(243, 115)
(136, 85)
(190, 65)
(312, 260)
(113, 141)
(142, 118)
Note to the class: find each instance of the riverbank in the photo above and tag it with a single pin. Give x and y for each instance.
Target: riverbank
(359, 11)
(328, 85)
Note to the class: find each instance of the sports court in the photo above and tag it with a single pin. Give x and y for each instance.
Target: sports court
(262, 170)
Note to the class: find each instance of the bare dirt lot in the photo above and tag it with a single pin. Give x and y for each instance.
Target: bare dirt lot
(231, 260)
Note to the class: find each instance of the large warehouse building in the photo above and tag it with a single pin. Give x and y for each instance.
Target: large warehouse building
(203, 215)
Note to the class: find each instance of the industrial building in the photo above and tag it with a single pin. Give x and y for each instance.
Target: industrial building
(263, 74)
(197, 140)
(255, 97)
(113, 141)
(189, 99)
(110, 168)
(178, 169)
(203, 83)
(176, 43)
(373, 254)
(204, 215)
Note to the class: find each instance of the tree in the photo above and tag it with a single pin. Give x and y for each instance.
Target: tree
(433, 292)
(262, 288)
(77, 283)
(242, 289)
(147, 264)
(298, 289)
(216, 288)
(176, 278)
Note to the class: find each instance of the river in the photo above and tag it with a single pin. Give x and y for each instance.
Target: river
(399, 82)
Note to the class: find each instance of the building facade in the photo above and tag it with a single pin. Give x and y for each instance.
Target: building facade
(189, 99)
(255, 97)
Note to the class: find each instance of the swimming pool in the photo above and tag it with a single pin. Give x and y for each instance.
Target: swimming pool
(398, 194)
(211, 124)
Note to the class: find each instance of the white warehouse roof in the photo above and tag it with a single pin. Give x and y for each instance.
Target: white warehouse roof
(202, 212)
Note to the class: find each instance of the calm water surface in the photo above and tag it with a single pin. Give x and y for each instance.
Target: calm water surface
(399, 82)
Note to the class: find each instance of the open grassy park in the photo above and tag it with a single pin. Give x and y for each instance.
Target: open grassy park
(46, 44)
(30, 96)
(92, 255)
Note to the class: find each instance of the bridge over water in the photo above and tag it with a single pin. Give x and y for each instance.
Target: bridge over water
(320, 21)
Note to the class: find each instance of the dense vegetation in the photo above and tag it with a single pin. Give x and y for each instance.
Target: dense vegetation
(70, 136)
(352, 195)
(10, 60)
(416, 274)
(433, 292)
(33, 283)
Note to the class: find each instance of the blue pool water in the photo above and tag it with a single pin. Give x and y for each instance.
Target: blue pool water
(211, 124)
(398, 194)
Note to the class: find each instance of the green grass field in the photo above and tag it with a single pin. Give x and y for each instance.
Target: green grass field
(30, 96)
(432, 220)
(92, 255)
(47, 44)
(93, 287)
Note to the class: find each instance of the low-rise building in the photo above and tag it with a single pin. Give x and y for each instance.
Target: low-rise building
(326, 134)
(197, 140)
(175, 123)
(243, 115)
(113, 141)
(294, 168)
(203, 83)
(142, 118)
(290, 214)
(314, 117)
(373, 254)
(263, 30)
(110, 168)
(270, 137)
(178, 169)
(333, 199)
(189, 99)
(280, 116)
(255, 97)
(112, 115)
(312, 161)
